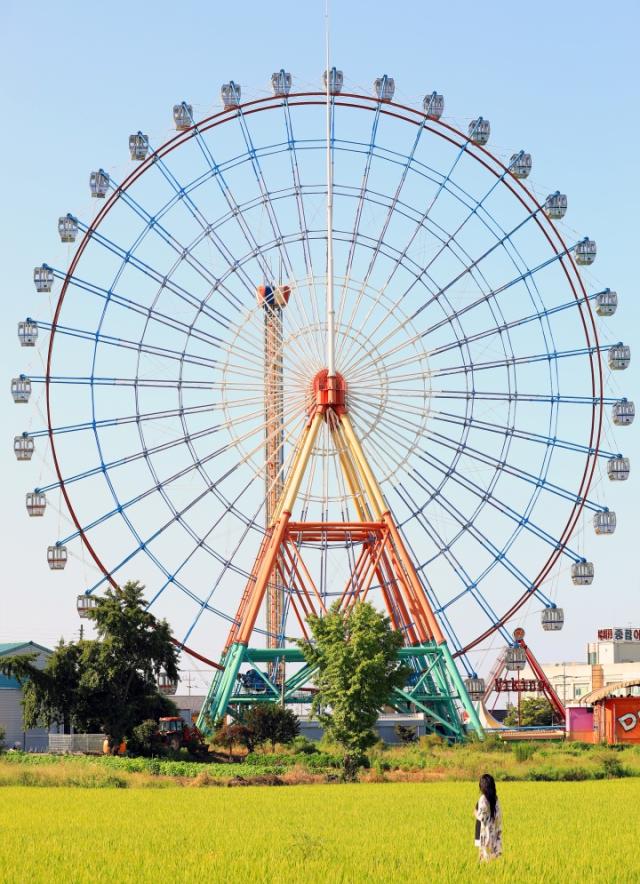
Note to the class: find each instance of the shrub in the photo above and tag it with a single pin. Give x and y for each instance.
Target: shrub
(612, 767)
(523, 751)
(304, 746)
(272, 724)
(430, 741)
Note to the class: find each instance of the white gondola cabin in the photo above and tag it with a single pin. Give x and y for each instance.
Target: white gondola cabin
(36, 503)
(85, 604)
(520, 165)
(619, 357)
(555, 206)
(606, 303)
(21, 389)
(28, 333)
(57, 557)
(623, 412)
(582, 573)
(230, 93)
(618, 469)
(99, 184)
(475, 687)
(384, 88)
(68, 228)
(552, 619)
(281, 83)
(433, 105)
(138, 146)
(167, 685)
(479, 131)
(43, 278)
(23, 447)
(585, 252)
(336, 81)
(183, 116)
(515, 659)
(604, 522)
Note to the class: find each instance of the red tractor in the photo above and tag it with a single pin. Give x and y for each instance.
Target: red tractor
(175, 733)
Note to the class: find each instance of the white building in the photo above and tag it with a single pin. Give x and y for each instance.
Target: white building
(614, 657)
(11, 720)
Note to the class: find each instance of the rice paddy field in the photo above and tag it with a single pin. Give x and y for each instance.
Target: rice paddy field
(374, 832)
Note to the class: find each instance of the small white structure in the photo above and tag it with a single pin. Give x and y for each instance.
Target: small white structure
(479, 131)
(281, 83)
(182, 116)
(515, 658)
(43, 278)
(582, 573)
(604, 522)
(552, 619)
(138, 146)
(618, 469)
(57, 557)
(520, 165)
(384, 87)
(619, 357)
(28, 333)
(21, 389)
(68, 228)
(230, 93)
(606, 303)
(99, 184)
(475, 687)
(585, 252)
(336, 81)
(23, 447)
(84, 604)
(555, 206)
(623, 412)
(433, 105)
(36, 503)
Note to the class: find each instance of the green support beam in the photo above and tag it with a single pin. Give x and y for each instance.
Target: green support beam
(437, 692)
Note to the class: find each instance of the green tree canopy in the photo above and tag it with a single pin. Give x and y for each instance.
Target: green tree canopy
(534, 712)
(269, 723)
(355, 653)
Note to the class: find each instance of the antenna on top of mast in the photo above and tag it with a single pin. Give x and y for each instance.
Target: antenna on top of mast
(331, 361)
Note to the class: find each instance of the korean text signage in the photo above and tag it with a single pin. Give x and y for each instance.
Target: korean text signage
(619, 634)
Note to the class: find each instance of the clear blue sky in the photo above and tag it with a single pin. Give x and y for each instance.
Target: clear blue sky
(559, 79)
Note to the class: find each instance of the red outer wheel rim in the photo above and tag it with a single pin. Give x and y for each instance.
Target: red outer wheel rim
(498, 169)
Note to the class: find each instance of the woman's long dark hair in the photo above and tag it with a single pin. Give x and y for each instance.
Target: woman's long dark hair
(488, 789)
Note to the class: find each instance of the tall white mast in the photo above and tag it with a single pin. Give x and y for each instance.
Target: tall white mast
(331, 315)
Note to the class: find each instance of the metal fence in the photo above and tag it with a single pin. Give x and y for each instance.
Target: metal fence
(62, 743)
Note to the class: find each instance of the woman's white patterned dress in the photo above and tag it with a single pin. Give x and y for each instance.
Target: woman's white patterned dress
(490, 830)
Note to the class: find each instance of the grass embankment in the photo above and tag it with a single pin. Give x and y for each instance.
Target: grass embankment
(424, 762)
(396, 832)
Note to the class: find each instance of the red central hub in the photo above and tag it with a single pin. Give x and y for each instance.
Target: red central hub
(327, 393)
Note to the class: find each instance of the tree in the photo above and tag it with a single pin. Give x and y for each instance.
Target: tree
(229, 733)
(50, 694)
(119, 677)
(272, 724)
(534, 712)
(109, 684)
(355, 654)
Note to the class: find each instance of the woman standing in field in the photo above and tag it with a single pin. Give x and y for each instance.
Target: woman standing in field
(489, 820)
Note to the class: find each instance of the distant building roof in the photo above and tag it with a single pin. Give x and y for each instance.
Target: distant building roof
(9, 648)
(13, 647)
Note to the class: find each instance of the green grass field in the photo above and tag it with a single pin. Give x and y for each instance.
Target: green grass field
(554, 832)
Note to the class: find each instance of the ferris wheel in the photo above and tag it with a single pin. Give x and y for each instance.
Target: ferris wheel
(188, 348)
